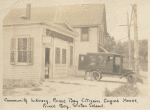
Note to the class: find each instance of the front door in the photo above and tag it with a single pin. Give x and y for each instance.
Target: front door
(47, 62)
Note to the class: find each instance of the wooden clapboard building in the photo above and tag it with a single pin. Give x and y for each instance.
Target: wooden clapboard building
(46, 42)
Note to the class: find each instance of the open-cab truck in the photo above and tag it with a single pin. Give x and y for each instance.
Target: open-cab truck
(105, 64)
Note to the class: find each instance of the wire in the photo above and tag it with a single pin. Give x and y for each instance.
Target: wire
(121, 38)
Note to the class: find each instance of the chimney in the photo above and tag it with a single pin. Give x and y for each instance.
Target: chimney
(28, 11)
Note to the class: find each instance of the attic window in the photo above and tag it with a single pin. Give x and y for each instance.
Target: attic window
(85, 34)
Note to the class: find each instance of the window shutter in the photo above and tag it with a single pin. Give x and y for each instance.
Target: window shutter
(13, 51)
(30, 51)
(71, 55)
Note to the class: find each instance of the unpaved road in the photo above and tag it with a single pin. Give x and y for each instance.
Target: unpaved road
(75, 87)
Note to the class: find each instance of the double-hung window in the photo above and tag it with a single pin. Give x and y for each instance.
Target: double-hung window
(22, 51)
(85, 34)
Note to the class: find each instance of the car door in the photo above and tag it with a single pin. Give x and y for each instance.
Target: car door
(82, 62)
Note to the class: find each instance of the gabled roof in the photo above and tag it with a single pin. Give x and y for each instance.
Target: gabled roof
(80, 14)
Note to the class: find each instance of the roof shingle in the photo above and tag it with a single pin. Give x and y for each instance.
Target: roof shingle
(80, 14)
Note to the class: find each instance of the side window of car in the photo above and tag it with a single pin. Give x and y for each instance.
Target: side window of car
(110, 59)
(92, 60)
(101, 60)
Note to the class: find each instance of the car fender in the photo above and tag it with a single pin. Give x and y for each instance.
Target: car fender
(95, 70)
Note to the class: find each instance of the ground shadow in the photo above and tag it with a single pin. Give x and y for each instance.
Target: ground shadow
(109, 81)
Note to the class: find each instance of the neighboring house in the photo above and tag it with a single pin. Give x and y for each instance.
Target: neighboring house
(47, 41)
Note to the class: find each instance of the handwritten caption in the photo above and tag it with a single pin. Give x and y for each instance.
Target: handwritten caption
(71, 103)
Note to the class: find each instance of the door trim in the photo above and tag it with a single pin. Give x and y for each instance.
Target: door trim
(51, 62)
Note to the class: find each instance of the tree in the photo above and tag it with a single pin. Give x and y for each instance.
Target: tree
(109, 43)
(143, 49)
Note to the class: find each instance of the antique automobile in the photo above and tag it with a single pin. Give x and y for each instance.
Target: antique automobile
(105, 64)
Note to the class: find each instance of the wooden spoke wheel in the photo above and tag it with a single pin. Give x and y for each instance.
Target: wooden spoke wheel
(131, 79)
(96, 75)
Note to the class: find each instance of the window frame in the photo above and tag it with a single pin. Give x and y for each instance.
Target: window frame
(16, 50)
(59, 55)
(64, 63)
(16, 60)
(87, 35)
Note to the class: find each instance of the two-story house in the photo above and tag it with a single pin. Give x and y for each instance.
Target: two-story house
(46, 42)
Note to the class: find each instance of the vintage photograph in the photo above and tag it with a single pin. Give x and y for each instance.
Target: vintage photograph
(88, 48)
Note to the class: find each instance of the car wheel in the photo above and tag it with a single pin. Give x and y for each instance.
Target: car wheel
(97, 75)
(131, 79)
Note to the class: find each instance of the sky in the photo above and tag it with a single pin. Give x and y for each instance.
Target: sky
(116, 11)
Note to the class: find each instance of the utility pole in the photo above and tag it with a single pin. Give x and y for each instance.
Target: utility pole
(136, 43)
(129, 41)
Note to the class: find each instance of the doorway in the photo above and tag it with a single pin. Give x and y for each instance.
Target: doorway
(47, 63)
(117, 64)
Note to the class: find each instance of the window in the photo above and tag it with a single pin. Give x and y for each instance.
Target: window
(92, 60)
(71, 55)
(101, 60)
(57, 55)
(110, 59)
(85, 34)
(117, 60)
(63, 56)
(21, 50)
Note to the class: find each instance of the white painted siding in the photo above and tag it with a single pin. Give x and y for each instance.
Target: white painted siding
(71, 69)
(21, 71)
(56, 70)
(85, 47)
(60, 70)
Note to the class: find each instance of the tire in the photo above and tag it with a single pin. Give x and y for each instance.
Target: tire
(96, 75)
(131, 79)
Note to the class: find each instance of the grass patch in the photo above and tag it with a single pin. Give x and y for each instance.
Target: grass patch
(122, 91)
(8, 92)
(64, 82)
(18, 83)
(36, 89)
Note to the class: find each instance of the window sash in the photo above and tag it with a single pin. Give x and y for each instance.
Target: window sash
(22, 57)
(27, 50)
(22, 50)
(57, 55)
(64, 53)
(85, 34)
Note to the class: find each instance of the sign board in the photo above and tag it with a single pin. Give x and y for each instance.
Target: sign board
(47, 39)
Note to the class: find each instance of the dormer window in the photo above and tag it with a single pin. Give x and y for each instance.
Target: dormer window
(85, 34)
